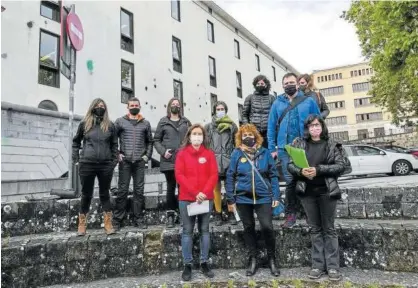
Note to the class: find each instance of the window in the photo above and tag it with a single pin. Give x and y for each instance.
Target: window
(363, 72)
(51, 10)
(126, 30)
(341, 75)
(128, 81)
(367, 71)
(48, 105)
(359, 72)
(376, 116)
(319, 79)
(331, 121)
(363, 134)
(339, 136)
(379, 132)
(257, 62)
(213, 100)
(212, 71)
(178, 90)
(362, 102)
(338, 90)
(211, 32)
(49, 72)
(274, 73)
(333, 77)
(326, 77)
(371, 71)
(175, 10)
(240, 108)
(336, 105)
(322, 78)
(361, 87)
(355, 73)
(365, 150)
(236, 49)
(239, 84)
(177, 60)
(351, 73)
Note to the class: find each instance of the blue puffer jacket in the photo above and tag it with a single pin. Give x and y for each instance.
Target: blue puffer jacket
(244, 186)
(304, 109)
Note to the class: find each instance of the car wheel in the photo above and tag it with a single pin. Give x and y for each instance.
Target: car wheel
(401, 168)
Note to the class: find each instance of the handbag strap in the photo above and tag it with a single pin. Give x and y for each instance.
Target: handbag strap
(256, 171)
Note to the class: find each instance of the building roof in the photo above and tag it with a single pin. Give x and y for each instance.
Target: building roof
(244, 31)
(340, 67)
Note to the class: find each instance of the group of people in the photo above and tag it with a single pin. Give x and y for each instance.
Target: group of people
(196, 159)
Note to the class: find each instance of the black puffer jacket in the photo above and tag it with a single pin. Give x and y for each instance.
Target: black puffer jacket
(168, 136)
(320, 100)
(331, 171)
(135, 138)
(222, 144)
(98, 146)
(256, 110)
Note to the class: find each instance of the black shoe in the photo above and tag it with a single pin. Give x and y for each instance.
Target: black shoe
(141, 224)
(273, 269)
(252, 266)
(204, 267)
(187, 272)
(170, 221)
(218, 219)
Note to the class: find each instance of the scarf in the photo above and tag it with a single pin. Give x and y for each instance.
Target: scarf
(223, 124)
(138, 117)
(250, 151)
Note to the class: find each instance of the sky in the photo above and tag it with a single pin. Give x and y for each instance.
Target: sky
(308, 34)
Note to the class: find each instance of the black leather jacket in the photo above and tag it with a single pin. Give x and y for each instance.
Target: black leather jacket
(256, 110)
(331, 171)
(320, 100)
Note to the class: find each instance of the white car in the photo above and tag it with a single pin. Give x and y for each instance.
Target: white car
(366, 160)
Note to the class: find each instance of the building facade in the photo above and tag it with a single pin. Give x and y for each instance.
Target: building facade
(353, 116)
(153, 50)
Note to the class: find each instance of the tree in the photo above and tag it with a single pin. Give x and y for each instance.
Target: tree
(388, 33)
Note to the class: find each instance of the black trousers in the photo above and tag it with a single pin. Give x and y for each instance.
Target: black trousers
(128, 170)
(320, 211)
(171, 198)
(264, 216)
(88, 173)
(293, 205)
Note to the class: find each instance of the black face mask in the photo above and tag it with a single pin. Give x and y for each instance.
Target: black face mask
(248, 141)
(175, 109)
(290, 90)
(99, 111)
(134, 111)
(260, 88)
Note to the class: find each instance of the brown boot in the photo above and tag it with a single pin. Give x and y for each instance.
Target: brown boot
(82, 224)
(108, 226)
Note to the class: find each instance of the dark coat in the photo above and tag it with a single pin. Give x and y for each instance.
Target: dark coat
(331, 171)
(256, 110)
(135, 139)
(96, 145)
(222, 144)
(167, 136)
(320, 100)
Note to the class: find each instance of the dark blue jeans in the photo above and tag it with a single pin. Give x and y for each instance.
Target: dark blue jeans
(187, 234)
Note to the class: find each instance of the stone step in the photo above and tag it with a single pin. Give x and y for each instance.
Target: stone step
(56, 258)
(52, 215)
(293, 277)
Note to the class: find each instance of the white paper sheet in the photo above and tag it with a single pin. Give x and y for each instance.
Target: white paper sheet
(196, 208)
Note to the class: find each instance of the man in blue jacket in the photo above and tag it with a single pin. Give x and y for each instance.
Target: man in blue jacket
(285, 124)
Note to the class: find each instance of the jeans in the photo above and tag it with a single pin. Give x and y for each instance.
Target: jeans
(320, 211)
(88, 173)
(187, 234)
(128, 170)
(291, 198)
(171, 198)
(265, 217)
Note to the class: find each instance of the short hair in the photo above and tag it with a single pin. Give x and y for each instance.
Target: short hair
(290, 74)
(134, 99)
(249, 128)
(260, 77)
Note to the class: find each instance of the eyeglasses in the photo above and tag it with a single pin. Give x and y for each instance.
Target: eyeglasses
(316, 125)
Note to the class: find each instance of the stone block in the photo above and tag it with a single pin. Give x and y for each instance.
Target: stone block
(17, 277)
(13, 256)
(374, 210)
(350, 237)
(171, 261)
(352, 257)
(76, 271)
(373, 195)
(55, 250)
(171, 241)
(412, 238)
(394, 238)
(220, 239)
(74, 206)
(402, 260)
(357, 210)
(77, 248)
(410, 194)
(151, 202)
(410, 210)
(35, 252)
(44, 211)
(134, 266)
(373, 259)
(53, 273)
(342, 210)
(113, 245)
(356, 195)
(9, 212)
(134, 243)
(95, 216)
(371, 237)
(295, 257)
(218, 259)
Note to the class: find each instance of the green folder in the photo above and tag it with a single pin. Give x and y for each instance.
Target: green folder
(298, 156)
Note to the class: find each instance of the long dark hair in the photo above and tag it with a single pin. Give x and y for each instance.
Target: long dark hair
(169, 107)
(309, 120)
(186, 140)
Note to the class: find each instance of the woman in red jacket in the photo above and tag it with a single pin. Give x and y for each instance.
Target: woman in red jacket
(197, 174)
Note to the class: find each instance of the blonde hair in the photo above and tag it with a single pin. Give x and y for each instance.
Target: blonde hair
(308, 78)
(90, 119)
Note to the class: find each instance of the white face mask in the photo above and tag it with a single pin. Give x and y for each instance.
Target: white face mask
(196, 139)
(220, 114)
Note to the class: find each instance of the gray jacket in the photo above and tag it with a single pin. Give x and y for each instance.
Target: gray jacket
(168, 136)
(135, 138)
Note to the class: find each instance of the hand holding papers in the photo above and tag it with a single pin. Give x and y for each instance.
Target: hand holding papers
(298, 156)
(195, 208)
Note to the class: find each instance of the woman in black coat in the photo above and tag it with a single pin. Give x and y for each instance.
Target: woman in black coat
(318, 189)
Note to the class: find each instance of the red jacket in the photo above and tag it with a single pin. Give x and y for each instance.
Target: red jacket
(196, 171)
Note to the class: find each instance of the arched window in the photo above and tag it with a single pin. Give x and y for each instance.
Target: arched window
(48, 105)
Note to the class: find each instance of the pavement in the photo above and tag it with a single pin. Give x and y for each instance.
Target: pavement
(296, 277)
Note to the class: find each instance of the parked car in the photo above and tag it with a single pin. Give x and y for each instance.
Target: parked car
(398, 149)
(366, 160)
(414, 151)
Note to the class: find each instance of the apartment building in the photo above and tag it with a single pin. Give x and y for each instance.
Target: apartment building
(154, 50)
(353, 116)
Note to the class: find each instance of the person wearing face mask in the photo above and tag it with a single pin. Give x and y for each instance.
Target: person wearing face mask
(252, 185)
(257, 106)
(306, 86)
(170, 132)
(196, 171)
(97, 139)
(221, 135)
(135, 149)
(285, 124)
(317, 187)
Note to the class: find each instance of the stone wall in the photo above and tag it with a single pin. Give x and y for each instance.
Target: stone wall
(405, 139)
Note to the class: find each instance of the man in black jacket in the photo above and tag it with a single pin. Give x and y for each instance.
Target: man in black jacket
(135, 149)
(257, 106)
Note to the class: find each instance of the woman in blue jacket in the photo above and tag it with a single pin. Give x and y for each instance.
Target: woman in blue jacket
(252, 185)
